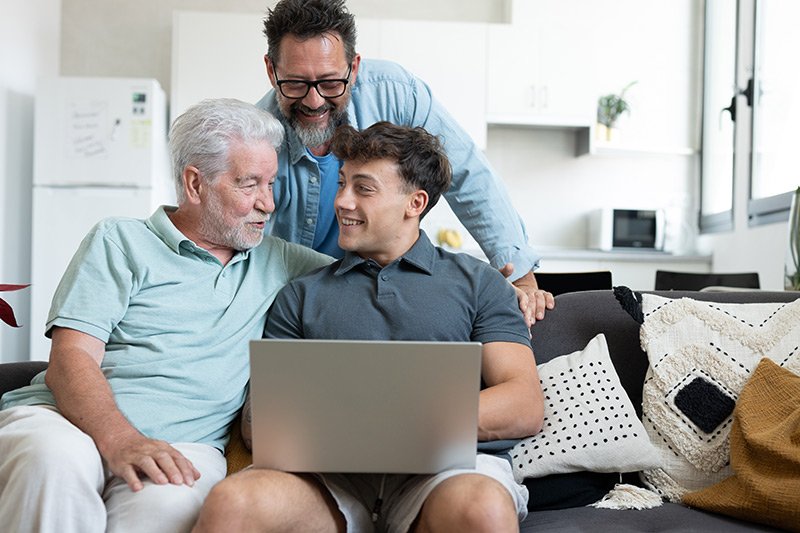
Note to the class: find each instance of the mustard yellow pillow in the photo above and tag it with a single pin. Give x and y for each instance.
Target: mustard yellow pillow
(765, 453)
(236, 453)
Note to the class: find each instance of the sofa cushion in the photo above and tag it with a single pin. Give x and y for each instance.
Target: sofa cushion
(668, 518)
(765, 453)
(562, 491)
(700, 355)
(237, 455)
(589, 422)
(19, 374)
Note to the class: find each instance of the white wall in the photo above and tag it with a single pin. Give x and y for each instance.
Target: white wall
(103, 38)
(657, 44)
(29, 40)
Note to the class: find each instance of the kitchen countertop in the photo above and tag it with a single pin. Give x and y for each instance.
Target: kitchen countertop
(631, 255)
(619, 255)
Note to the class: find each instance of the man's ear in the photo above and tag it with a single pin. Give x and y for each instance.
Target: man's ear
(417, 203)
(192, 184)
(270, 70)
(354, 72)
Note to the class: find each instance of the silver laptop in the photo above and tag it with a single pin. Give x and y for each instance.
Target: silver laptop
(364, 406)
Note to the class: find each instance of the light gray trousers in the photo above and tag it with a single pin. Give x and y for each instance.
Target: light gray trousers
(52, 479)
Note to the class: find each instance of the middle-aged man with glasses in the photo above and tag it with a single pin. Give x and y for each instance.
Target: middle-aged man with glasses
(320, 82)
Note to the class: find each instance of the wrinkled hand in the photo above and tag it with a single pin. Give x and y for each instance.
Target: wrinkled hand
(532, 300)
(153, 458)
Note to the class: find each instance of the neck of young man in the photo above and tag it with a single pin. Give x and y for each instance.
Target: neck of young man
(394, 250)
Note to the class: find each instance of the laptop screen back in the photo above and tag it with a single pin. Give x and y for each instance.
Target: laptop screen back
(364, 406)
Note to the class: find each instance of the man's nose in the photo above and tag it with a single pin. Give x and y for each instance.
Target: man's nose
(265, 201)
(313, 99)
(343, 200)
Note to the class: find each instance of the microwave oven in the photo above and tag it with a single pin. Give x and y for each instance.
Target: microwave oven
(641, 229)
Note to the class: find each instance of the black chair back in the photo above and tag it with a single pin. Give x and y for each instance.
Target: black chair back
(561, 282)
(694, 281)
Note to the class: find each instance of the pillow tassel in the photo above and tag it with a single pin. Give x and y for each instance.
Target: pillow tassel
(625, 496)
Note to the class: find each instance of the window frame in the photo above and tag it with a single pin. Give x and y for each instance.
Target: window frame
(768, 209)
(722, 221)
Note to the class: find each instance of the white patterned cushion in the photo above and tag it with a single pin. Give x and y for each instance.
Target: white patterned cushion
(589, 422)
(700, 356)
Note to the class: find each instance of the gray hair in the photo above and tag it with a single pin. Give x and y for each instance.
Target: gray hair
(202, 136)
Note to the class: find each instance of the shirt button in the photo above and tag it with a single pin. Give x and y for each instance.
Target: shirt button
(384, 277)
(309, 221)
(313, 179)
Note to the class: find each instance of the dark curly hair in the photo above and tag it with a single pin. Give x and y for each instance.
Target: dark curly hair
(309, 18)
(419, 155)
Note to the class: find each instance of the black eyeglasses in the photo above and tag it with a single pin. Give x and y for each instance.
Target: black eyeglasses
(328, 88)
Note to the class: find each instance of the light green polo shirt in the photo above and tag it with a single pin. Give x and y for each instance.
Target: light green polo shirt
(176, 323)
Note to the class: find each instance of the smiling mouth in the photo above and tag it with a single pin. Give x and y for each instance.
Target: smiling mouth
(350, 222)
(315, 113)
(318, 113)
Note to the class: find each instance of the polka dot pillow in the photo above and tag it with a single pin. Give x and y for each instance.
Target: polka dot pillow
(589, 422)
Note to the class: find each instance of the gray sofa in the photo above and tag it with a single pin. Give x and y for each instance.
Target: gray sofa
(558, 502)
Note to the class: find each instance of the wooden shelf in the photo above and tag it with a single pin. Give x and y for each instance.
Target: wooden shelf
(603, 148)
(531, 121)
(585, 142)
(584, 131)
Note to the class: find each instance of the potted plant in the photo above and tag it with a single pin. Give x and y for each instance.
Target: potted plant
(792, 263)
(6, 312)
(609, 108)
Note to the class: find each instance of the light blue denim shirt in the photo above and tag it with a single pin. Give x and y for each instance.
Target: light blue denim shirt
(385, 91)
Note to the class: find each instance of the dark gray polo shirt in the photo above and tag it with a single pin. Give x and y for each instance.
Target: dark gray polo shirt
(427, 294)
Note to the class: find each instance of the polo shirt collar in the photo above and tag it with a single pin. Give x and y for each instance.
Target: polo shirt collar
(421, 255)
(160, 224)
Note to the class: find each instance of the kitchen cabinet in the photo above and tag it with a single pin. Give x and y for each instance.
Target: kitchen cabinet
(449, 56)
(538, 68)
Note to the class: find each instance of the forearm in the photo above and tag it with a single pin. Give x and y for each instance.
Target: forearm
(511, 406)
(84, 396)
(509, 410)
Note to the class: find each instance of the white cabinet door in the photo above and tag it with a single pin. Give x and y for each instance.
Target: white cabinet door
(449, 56)
(538, 66)
(513, 70)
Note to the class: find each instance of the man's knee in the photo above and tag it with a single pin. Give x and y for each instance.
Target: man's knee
(266, 500)
(248, 497)
(469, 503)
(231, 495)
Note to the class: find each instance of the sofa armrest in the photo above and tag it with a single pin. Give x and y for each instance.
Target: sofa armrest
(16, 375)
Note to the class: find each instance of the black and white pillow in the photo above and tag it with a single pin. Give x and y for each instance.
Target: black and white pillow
(701, 354)
(589, 422)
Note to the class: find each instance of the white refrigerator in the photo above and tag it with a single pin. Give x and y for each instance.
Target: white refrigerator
(100, 150)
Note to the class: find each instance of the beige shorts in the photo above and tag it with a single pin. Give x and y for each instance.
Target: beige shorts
(403, 495)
